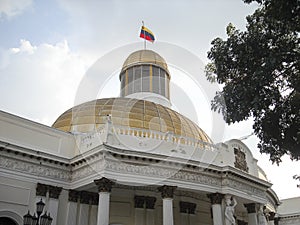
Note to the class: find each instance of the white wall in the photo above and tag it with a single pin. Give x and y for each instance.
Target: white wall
(28, 134)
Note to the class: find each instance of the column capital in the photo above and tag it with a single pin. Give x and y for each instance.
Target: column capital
(215, 198)
(167, 191)
(85, 197)
(54, 192)
(251, 207)
(41, 189)
(139, 201)
(150, 202)
(94, 199)
(73, 196)
(104, 184)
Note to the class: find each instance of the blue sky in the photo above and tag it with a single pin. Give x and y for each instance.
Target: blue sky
(46, 47)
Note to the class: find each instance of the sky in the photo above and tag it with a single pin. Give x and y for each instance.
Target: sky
(48, 48)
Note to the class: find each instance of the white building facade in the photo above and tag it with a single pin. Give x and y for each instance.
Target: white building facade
(130, 160)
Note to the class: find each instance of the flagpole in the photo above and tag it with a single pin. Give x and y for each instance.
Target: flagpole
(144, 34)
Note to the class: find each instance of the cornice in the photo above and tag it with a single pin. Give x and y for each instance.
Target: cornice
(12, 149)
(273, 197)
(231, 171)
(34, 166)
(105, 159)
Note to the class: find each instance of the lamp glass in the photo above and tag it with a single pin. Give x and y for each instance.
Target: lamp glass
(40, 207)
(44, 219)
(34, 220)
(27, 219)
(49, 219)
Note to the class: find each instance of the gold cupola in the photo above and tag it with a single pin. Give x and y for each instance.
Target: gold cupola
(142, 110)
(145, 72)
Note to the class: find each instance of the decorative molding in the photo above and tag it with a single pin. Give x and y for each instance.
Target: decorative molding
(290, 220)
(94, 199)
(215, 198)
(84, 197)
(41, 189)
(139, 201)
(73, 196)
(187, 207)
(54, 192)
(102, 161)
(153, 171)
(104, 184)
(244, 187)
(240, 159)
(167, 191)
(191, 194)
(150, 202)
(251, 207)
(34, 168)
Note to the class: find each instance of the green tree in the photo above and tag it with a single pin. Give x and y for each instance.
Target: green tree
(259, 71)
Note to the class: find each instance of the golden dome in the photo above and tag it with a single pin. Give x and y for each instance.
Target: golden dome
(132, 114)
(145, 57)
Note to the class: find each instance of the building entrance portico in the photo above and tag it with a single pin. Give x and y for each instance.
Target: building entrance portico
(149, 205)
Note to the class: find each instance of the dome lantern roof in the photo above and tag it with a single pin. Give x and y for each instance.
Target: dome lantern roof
(145, 57)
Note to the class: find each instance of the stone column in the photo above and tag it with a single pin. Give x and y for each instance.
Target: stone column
(94, 209)
(216, 204)
(252, 213)
(167, 193)
(54, 193)
(104, 188)
(150, 203)
(84, 208)
(271, 218)
(139, 210)
(72, 207)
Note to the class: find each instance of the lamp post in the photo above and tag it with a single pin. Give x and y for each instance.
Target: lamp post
(39, 220)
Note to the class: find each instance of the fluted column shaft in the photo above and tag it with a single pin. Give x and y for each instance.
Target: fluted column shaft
(167, 193)
(216, 204)
(104, 188)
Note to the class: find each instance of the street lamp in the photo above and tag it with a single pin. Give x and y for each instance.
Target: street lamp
(39, 220)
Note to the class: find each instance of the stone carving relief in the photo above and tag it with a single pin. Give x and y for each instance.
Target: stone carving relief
(240, 159)
(245, 187)
(33, 168)
(167, 191)
(215, 198)
(289, 221)
(104, 184)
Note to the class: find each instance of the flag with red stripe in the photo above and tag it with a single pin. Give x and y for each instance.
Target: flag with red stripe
(147, 34)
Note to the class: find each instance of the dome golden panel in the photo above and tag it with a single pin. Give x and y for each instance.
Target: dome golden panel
(129, 113)
(145, 57)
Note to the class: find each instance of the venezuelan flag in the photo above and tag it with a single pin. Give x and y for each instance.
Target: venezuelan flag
(147, 34)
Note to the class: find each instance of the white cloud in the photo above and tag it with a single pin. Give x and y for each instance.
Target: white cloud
(39, 81)
(11, 8)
